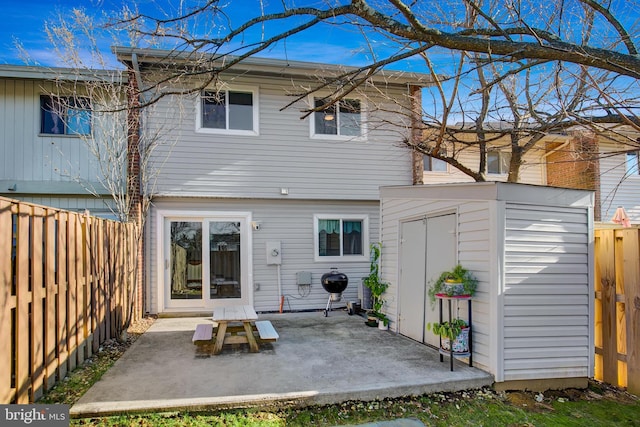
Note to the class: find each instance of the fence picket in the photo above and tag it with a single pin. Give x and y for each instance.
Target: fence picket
(53, 295)
(617, 307)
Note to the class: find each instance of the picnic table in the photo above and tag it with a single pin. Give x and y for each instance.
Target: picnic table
(226, 334)
(236, 325)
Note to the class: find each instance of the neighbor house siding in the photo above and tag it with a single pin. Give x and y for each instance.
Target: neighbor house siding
(291, 223)
(616, 188)
(28, 157)
(532, 170)
(282, 156)
(546, 292)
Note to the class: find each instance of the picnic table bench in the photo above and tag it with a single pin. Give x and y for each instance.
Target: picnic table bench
(229, 330)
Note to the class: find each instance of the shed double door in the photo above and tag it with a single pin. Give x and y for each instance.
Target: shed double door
(428, 246)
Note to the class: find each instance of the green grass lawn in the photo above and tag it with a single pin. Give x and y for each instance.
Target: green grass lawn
(597, 406)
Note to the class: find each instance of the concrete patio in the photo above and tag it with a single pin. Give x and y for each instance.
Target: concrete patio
(316, 360)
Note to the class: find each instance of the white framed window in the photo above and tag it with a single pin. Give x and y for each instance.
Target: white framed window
(65, 115)
(632, 163)
(342, 120)
(431, 164)
(228, 111)
(341, 237)
(498, 162)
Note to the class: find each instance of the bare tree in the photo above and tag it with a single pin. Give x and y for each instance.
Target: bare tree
(102, 106)
(539, 68)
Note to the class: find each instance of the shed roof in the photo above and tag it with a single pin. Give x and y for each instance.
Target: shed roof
(500, 191)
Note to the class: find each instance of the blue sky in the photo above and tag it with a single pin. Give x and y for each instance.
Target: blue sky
(24, 22)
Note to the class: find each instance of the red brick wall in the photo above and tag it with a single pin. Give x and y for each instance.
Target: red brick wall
(576, 165)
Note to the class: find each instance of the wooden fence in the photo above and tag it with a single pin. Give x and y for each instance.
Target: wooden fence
(617, 307)
(66, 283)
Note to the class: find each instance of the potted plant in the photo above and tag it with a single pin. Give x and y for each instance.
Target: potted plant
(376, 285)
(456, 331)
(455, 282)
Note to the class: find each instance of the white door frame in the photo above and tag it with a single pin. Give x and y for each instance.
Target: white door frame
(162, 245)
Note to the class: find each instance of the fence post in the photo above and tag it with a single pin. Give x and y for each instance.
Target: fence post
(632, 307)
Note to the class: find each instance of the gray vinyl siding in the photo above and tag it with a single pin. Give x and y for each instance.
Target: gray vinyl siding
(283, 155)
(473, 240)
(546, 292)
(25, 155)
(617, 189)
(291, 223)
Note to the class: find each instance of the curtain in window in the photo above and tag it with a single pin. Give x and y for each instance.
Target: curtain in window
(352, 238)
(329, 237)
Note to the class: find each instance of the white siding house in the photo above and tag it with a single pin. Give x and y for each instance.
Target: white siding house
(530, 248)
(252, 199)
(619, 181)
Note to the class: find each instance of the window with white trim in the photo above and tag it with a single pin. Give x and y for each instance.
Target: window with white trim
(341, 237)
(65, 115)
(498, 162)
(431, 164)
(228, 111)
(632, 163)
(342, 119)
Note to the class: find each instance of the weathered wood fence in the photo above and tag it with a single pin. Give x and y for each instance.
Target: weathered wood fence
(617, 307)
(65, 288)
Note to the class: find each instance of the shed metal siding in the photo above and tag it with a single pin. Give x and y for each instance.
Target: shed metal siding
(546, 292)
(291, 223)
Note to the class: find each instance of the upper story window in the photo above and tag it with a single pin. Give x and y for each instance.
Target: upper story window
(342, 119)
(498, 162)
(633, 163)
(65, 115)
(431, 164)
(228, 111)
(341, 237)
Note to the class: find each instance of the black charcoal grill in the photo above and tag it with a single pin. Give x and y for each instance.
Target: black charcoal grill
(335, 283)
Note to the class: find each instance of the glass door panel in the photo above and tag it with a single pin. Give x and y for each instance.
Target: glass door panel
(186, 260)
(224, 259)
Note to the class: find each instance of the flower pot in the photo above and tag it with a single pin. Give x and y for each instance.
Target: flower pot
(382, 326)
(371, 323)
(453, 288)
(460, 344)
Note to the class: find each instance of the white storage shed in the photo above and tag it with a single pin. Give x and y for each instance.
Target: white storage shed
(531, 249)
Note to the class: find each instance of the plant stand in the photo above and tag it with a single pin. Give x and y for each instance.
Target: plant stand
(450, 352)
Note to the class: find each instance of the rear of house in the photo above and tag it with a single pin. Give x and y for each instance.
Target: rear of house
(254, 202)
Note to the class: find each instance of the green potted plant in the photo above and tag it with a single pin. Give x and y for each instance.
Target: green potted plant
(455, 282)
(456, 332)
(376, 285)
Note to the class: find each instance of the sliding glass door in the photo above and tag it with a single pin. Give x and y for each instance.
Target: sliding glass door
(206, 261)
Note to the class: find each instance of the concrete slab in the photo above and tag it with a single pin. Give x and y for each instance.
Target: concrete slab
(316, 360)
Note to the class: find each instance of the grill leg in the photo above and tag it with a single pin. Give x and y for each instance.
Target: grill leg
(326, 310)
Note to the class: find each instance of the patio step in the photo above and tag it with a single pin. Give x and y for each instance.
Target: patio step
(266, 330)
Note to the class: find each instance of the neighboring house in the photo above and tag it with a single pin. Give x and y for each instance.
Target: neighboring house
(43, 156)
(253, 202)
(606, 164)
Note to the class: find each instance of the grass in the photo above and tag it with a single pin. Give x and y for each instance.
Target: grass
(599, 405)
(471, 408)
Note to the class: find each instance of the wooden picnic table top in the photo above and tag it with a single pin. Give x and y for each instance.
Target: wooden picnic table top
(234, 313)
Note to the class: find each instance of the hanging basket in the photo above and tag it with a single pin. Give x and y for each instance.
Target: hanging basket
(460, 344)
